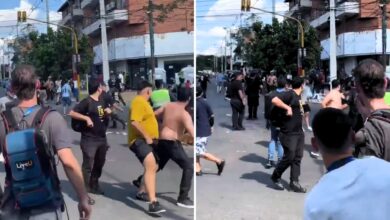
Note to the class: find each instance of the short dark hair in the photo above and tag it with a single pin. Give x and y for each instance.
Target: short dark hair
(183, 94)
(24, 82)
(335, 83)
(281, 82)
(93, 86)
(144, 84)
(332, 127)
(370, 76)
(297, 82)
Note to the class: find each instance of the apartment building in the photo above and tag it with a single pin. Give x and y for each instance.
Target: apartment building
(358, 28)
(128, 35)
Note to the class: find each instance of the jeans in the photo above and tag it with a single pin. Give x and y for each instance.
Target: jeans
(167, 150)
(275, 142)
(293, 152)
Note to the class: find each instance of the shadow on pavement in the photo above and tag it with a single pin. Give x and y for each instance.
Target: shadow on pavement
(263, 143)
(225, 125)
(254, 158)
(261, 177)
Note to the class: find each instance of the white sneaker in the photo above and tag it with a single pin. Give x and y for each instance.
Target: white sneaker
(314, 154)
(309, 128)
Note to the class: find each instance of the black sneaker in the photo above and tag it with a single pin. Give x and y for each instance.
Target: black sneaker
(220, 167)
(241, 128)
(94, 188)
(277, 183)
(155, 208)
(142, 196)
(186, 203)
(137, 182)
(200, 173)
(296, 187)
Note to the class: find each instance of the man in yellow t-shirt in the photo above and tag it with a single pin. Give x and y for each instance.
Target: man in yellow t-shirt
(143, 131)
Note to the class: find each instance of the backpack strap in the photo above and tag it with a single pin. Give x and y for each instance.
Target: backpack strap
(10, 121)
(41, 116)
(380, 115)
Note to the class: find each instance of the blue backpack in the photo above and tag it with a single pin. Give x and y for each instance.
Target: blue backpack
(30, 162)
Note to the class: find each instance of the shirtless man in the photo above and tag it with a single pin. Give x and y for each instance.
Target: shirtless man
(335, 97)
(175, 120)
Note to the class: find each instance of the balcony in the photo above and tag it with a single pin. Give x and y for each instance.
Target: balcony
(89, 3)
(301, 6)
(117, 16)
(77, 15)
(93, 28)
(345, 10)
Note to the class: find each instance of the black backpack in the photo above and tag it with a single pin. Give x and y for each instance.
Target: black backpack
(79, 125)
(275, 115)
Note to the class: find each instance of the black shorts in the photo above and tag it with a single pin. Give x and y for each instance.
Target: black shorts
(306, 108)
(141, 150)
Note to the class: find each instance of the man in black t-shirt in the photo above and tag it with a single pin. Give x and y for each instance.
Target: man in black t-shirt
(252, 91)
(237, 102)
(291, 136)
(94, 145)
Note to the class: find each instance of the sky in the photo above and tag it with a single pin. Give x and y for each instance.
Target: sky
(35, 9)
(214, 18)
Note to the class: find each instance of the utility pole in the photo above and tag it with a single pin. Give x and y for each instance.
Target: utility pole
(333, 42)
(103, 29)
(384, 32)
(151, 36)
(47, 15)
(273, 9)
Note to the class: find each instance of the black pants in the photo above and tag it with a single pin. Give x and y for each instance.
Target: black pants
(94, 157)
(115, 118)
(238, 112)
(204, 88)
(293, 151)
(167, 150)
(253, 104)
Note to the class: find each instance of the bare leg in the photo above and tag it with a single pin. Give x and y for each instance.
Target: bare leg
(150, 176)
(198, 166)
(211, 157)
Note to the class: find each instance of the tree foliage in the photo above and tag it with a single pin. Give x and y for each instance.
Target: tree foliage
(205, 62)
(51, 53)
(275, 46)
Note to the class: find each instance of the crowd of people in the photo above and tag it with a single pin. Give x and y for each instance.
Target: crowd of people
(32, 188)
(350, 133)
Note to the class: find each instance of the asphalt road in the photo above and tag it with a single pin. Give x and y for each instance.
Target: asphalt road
(243, 191)
(121, 168)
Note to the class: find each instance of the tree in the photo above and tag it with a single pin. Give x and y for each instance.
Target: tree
(51, 53)
(204, 62)
(275, 46)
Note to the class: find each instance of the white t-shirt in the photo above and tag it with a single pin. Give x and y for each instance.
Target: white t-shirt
(120, 76)
(359, 190)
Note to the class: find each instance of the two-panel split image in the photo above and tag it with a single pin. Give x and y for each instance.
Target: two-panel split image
(194, 110)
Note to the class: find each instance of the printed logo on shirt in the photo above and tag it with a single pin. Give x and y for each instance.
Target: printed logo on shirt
(100, 111)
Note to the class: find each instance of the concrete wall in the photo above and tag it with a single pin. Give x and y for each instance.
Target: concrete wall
(139, 47)
(356, 44)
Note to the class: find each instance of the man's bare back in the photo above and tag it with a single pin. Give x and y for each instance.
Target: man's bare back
(334, 100)
(175, 120)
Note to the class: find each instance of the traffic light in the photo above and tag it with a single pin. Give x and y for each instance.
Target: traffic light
(245, 5)
(22, 16)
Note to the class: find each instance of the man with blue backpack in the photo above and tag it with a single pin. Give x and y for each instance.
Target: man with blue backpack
(31, 136)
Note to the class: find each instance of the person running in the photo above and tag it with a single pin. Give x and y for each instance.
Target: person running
(351, 188)
(291, 136)
(335, 97)
(55, 127)
(220, 81)
(94, 112)
(66, 92)
(176, 119)
(275, 142)
(371, 84)
(143, 134)
(204, 126)
(237, 101)
(204, 81)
